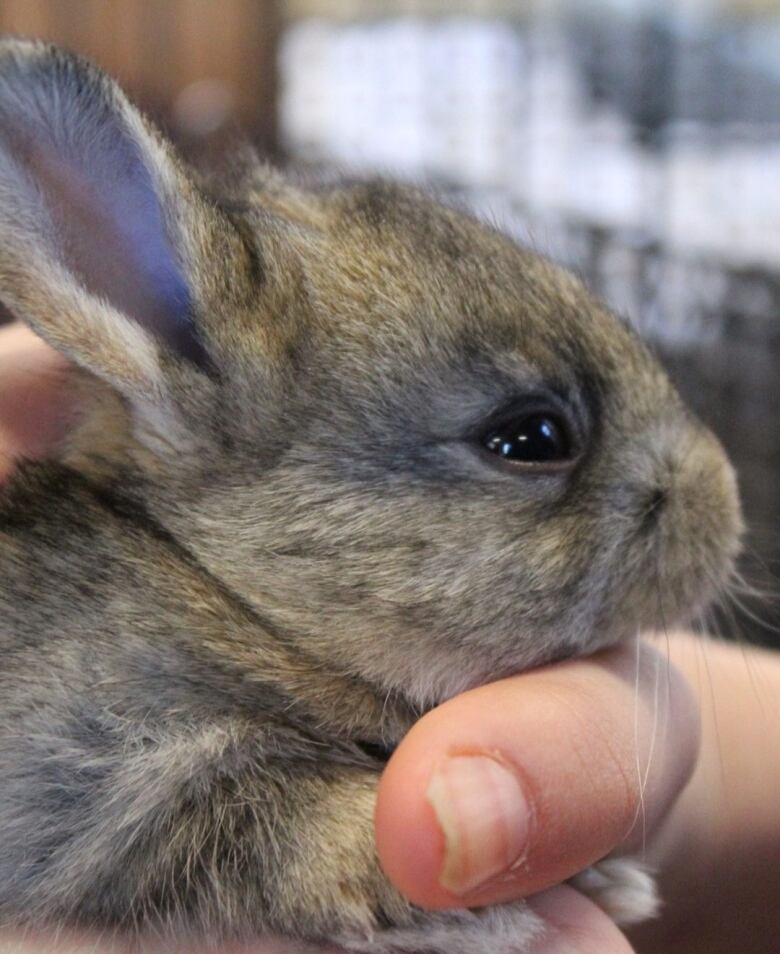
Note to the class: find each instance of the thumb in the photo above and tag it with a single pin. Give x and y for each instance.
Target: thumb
(516, 786)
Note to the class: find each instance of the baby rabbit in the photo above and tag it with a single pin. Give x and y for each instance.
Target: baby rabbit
(345, 452)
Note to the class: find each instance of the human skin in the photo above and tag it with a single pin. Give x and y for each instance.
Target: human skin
(719, 849)
(598, 748)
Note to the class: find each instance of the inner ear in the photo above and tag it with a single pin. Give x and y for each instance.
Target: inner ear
(112, 237)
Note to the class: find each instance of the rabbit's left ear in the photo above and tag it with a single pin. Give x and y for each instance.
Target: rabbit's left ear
(107, 249)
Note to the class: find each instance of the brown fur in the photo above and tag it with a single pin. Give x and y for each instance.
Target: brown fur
(276, 537)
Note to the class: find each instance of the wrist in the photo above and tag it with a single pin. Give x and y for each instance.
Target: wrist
(719, 852)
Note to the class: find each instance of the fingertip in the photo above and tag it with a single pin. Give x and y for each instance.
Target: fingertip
(424, 804)
(410, 842)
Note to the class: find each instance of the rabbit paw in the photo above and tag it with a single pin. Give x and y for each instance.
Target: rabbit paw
(622, 888)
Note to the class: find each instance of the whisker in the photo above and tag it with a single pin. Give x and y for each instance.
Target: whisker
(738, 582)
(641, 811)
(763, 622)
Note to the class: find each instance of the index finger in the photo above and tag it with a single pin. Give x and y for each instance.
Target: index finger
(34, 398)
(516, 786)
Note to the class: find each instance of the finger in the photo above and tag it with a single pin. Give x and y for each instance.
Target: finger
(34, 398)
(574, 925)
(516, 786)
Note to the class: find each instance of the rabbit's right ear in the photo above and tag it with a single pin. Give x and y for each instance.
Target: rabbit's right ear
(107, 248)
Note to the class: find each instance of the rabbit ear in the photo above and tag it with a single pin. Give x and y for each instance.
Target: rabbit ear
(104, 241)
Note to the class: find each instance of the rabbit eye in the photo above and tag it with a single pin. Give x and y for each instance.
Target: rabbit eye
(531, 439)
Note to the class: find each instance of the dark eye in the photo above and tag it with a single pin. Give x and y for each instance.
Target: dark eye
(531, 439)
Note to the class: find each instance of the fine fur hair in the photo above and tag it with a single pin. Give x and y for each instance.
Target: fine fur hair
(276, 536)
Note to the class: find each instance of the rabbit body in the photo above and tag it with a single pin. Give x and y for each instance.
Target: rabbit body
(278, 535)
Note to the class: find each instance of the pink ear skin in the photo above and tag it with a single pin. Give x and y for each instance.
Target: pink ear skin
(35, 403)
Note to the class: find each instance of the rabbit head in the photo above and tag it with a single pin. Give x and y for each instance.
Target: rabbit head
(423, 454)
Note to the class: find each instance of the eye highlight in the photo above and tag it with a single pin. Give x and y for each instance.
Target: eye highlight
(538, 438)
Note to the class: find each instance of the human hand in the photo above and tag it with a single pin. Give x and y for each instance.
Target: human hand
(598, 749)
(569, 731)
(718, 851)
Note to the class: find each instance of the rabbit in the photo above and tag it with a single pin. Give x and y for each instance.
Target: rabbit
(344, 451)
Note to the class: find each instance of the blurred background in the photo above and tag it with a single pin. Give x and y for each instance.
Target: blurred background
(637, 141)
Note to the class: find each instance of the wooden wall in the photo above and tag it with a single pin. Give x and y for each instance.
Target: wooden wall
(198, 65)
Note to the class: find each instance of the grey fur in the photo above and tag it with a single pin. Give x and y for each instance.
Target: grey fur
(273, 540)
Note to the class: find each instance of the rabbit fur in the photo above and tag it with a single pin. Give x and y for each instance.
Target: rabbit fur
(274, 537)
